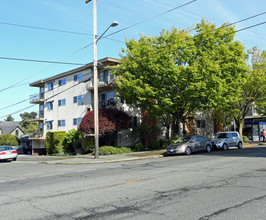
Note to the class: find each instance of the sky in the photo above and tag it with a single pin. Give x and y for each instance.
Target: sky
(62, 30)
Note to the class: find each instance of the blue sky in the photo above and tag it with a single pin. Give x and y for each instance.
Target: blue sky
(76, 16)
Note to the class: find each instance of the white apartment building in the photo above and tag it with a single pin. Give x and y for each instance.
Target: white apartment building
(65, 98)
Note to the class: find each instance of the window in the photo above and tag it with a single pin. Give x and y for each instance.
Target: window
(103, 76)
(50, 86)
(62, 82)
(17, 133)
(61, 102)
(78, 77)
(61, 123)
(77, 121)
(49, 125)
(78, 99)
(200, 124)
(49, 106)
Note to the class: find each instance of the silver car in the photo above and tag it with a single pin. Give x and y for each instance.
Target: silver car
(8, 153)
(184, 146)
(224, 140)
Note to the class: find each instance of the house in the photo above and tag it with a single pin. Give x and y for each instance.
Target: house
(65, 98)
(11, 127)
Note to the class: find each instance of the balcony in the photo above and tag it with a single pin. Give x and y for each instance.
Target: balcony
(36, 135)
(102, 86)
(37, 98)
(39, 117)
(107, 104)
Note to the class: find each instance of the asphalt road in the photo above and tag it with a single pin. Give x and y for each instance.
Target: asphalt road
(219, 185)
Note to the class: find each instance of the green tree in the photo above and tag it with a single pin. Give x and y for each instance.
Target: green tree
(253, 89)
(9, 118)
(175, 74)
(26, 122)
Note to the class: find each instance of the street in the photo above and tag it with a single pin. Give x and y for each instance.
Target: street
(219, 185)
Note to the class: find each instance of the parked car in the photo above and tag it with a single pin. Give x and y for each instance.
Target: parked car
(8, 153)
(224, 140)
(23, 149)
(185, 146)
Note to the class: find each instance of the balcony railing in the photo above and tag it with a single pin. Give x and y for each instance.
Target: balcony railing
(37, 134)
(37, 98)
(90, 85)
(107, 103)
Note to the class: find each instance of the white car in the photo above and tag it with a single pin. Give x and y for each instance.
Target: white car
(224, 140)
(8, 153)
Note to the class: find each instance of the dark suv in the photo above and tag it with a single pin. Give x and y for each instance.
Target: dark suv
(225, 140)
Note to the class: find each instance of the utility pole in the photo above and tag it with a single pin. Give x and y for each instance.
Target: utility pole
(95, 76)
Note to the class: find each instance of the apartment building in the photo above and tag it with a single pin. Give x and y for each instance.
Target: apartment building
(65, 98)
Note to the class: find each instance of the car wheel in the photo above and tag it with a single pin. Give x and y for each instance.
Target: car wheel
(188, 151)
(14, 159)
(208, 148)
(240, 145)
(225, 147)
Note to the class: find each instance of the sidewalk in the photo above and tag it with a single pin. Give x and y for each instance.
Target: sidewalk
(89, 159)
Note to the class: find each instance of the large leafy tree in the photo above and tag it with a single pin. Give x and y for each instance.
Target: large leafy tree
(26, 122)
(110, 121)
(175, 74)
(253, 89)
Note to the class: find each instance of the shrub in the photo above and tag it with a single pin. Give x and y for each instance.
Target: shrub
(108, 150)
(139, 147)
(54, 142)
(155, 145)
(72, 142)
(8, 139)
(88, 144)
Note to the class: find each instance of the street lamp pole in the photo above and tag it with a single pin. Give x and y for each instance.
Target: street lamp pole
(95, 76)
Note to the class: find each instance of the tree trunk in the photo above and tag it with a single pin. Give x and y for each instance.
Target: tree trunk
(240, 128)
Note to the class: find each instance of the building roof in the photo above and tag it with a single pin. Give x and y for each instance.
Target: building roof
(107, 60)
(8, 126)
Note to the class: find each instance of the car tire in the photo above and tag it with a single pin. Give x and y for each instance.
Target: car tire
(208, 148)
(14, 159)
(188, 151)
(225, 147)
(240, 145)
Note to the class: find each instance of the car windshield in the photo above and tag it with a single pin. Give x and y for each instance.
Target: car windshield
(2, 148)
(182, 140)
(220, 135)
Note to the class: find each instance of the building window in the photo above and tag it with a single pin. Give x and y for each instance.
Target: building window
(103, 76)
(77, 121)
(78, 77)
(200, 124)
(61, 102)
(106, 99)
(61, 123)
(50, 86)
(49, 106)
(62, 82)
(49, 125)
(17, 133)
(78, 99)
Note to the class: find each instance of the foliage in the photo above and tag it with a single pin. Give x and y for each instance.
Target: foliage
(253, 89)
(175, 74)
(110, 121)
(146, 132)
(54, 142)
(72, 142)
(9, 118)
(108, 150)
(88, 144)
(8, 139)
(139, 147)
(26, 122)
(155, 145)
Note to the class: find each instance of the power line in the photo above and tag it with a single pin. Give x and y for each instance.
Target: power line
(40, 61)
(156, 16)
(46, 29)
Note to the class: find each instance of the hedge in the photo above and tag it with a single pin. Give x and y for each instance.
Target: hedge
(54, 142)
